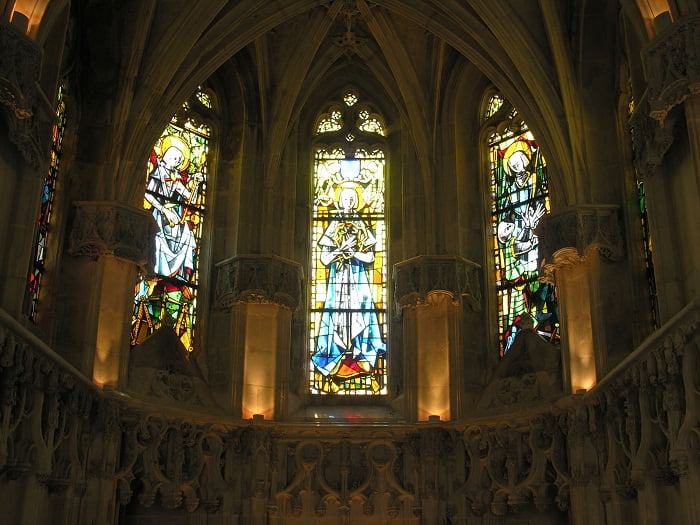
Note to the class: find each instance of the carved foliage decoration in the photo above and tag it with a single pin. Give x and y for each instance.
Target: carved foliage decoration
(584, 228)
(110, 228)
(672, 65)
(415, 278)
(20, 63)
(258, 278)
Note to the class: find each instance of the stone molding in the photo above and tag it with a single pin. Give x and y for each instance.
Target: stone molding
(20, 95)
(586, 228)
(417, 277)
(672, 66)
(258, 279)
(106, 228)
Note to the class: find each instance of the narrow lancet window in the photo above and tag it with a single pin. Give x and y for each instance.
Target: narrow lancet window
(520, 198)
(348, 268)
(176, 182)
(36, 274)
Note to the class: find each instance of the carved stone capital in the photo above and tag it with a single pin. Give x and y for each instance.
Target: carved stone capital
(20, 95)
(585, 228)
(258, 278)
(672, 66)
(110, 228)
(415, 278)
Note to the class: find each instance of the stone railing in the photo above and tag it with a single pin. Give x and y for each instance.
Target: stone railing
(634, 429)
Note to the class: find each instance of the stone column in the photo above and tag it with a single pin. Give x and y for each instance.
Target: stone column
(672, 66)
(576, 246)
(260, 292)
(430, 292)
(108, 243)
(27, 119)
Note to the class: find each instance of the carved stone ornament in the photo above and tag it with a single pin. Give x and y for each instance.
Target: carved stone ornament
(258, 278)
(415, 278)
(672, 66)
(20, 95)
(110, 228)
(651, 138)
(585, 228)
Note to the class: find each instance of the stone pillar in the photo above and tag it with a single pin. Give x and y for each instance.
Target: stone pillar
(672, 67)
(27, 121)
(576, 247)
(108, 243)
(430, 292)
(260, 292)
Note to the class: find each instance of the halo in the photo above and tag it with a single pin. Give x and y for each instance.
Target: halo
(173, 141)
(518, 145)
(349, 185)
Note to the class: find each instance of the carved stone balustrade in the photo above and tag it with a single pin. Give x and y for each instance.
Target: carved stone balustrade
(634, 430)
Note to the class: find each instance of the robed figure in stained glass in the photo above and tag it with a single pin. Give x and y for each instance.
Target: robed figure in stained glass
(349, 339)
(170, 190)
(521, 203)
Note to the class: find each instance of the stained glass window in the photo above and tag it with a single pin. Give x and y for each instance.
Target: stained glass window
(370, 122)
(348, 270)
(47, 196)
(646, 236)
(331, 121)
(493, 105)
(176, 179)
(350, 98)
(519, 200)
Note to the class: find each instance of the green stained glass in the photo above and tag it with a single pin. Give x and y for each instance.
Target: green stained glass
(520, 199)
(175, 194)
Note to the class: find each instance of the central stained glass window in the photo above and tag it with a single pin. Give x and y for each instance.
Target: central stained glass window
(348, 265)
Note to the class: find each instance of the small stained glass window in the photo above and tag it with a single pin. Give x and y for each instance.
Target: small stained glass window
(350, 98)
(331, 121)
(520, 198)
(47, 197)
(204, 98)
(493, 105)
(370, 122)
(176, 182)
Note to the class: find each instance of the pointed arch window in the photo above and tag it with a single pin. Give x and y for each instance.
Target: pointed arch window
(519, 199)
(348, 255)
(176, 191)
(36, 273)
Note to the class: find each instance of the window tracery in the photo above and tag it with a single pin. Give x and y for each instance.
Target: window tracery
(348, 310)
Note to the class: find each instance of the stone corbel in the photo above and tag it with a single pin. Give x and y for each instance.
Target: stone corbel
(258, 278)
(110, 228)
(568, 236)
(651, 139)
(415, 278)
(672, 66)
(20, 95)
